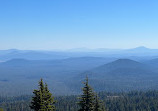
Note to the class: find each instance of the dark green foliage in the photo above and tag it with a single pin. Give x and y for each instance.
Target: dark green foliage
(131, 101)
(98, 106)
(20, 103)
(86, 102)
(42, 99)
(89, 101)
(49, 100)
(67, 103)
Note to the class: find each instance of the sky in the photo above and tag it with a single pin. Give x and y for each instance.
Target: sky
(66, 24)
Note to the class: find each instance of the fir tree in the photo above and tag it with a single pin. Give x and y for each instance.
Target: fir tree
(102, 107)
(98, 104)
(86, 102)
(49, 99)
(42, 99)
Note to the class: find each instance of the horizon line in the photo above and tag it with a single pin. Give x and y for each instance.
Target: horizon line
(81, 48)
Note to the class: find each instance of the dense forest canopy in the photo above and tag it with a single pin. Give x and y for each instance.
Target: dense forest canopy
(87, 101)
(129, 101)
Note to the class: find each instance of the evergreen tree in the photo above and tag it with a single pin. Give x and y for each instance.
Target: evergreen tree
(42, 99)
(49, 99)
(98, 105)
(102, 107)
(86, 102)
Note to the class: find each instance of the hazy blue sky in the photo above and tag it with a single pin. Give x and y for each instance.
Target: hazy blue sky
(63, 24)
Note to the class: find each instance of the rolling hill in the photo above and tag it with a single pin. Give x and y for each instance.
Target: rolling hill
(122, 74)
(64, 76)
(17, 73)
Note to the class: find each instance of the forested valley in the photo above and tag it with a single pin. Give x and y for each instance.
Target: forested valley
(131, 101)
(107, 101)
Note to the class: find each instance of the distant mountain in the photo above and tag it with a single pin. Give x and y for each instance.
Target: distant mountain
(65, 70)
(20, 72)
(142, 51)
(136, 53)
(122, 74)
(31, 54)
(120, 67)
(152, 62)
(141, 48)
(109, 74)
(93, 50)
(73, 63)
(24, 62)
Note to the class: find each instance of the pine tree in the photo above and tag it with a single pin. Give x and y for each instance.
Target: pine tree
(49, 99)
(102, 107)
(86, 102)
(42, 99)
(98, 104)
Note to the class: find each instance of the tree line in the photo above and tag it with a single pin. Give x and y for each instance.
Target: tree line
(44, 101)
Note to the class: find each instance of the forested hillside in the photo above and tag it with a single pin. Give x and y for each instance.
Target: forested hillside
(131, 101)
(64, 76)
